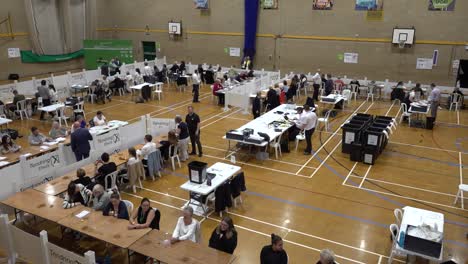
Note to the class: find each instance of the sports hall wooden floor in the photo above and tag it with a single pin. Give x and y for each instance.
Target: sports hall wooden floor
(322, 202)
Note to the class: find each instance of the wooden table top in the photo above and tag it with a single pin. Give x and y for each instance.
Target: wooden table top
(39, 204)
(183, 252)
(106, 228)
(59, 185)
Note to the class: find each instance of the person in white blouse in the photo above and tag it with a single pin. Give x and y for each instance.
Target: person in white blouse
(99, 119)
(147, 71)
(186, 228)
(133, 158)
(129, 81)
(317, 79)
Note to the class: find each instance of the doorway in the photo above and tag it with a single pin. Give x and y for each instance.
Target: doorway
(463, 74)
(149, 50)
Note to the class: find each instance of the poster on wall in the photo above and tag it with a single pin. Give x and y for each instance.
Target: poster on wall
(201, 4)
(234, 52)
(322, 5)
(351, 58)
(269, 4)
(369, 5)
(442, 5)
(14, 53)
(424, 64)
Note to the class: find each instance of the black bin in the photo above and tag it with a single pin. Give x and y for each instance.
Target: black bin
(370, 155)
(350, 133)
(356, 152)
(197, 171)
(430, 122)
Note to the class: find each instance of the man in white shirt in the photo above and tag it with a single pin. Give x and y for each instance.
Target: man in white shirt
(147, 149)
(147, 71)
(317, 80)
(309, 128)
(434, 99)
(99, 119)
(196, 86)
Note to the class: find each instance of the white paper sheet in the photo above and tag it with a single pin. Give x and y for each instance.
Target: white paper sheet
(82, 214)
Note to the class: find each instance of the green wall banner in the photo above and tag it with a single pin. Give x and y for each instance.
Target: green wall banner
(27, 56)
(441, 5)
(97, 52)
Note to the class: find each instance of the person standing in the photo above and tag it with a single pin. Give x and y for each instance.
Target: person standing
(193, 124)
(329, 85)
(196, 86)
(80, 142)
(183, 135)
(309, 128)
(274, 253)
(256, 105)
(434, 99)
(44, 92)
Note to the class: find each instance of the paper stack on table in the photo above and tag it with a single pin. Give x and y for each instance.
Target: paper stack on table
(82, 214)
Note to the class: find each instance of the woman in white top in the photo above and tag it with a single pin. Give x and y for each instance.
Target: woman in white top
(99, 119)
(138, 77)
(186, 228)
(53, 93)
(132, 156)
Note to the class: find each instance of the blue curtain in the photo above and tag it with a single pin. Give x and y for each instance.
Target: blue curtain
(251, 8)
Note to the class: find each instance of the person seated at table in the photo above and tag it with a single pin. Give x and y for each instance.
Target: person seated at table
(277, 88)
(272, 99)
(418, 88)
(145, 216)
(116, 207)
(339, 84)
(36, 138)
(250, 74)
(292, 90)
(138, 77)
(16, 98)
(81, 121)
(274, 253)
(76, 194)
(216, 87)
(182, 68)
(53, 93)
(409, 98)
(8, 145)
(175, 68)
(299, 124)
(285, 87)
(356, 82)
(101, 198)
(116, 84)
(219, 73)
(398, 92)
(99, 119)
(187, 228)
(329, 85)
(104, 167)
(148, 148)
(82, 178)
(326, 257)
(224, 236)
(57, 131)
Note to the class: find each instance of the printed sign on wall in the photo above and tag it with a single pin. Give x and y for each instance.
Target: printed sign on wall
(269, 4)
(442, 5)
(109, 141)
(201, 4)
(369, 5)
(322, 4)
(42, 165)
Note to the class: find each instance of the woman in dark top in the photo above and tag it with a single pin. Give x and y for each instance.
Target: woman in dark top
(116, 207)
(274, 253)
(224, 237)
(145, 216)
(82, 178)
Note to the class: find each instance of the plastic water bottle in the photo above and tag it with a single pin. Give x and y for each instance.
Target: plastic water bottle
(401, 241)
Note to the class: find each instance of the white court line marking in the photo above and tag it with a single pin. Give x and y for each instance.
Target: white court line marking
(178, 105)
(406, 186)
(237, 118)
(458, 117)
(365, 176)
(417, 146)
(331, 152)
(329, 138)
(380, 260)
(223, 117)
(406, 197)
(323, 161)
(386, 114)
(265, 223)
(104, 108)
(261, 167)
(461, 168)
(349, 174)
(274, 160)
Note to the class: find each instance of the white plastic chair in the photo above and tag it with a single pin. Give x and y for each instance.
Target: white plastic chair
(212, 95)
(129, 206)
(370, 93)
(173, 156)
(158, 90)
(22, 109)
(455, 101)
(40, 102)
(394, 231)
(461, 188)
(398, 215)
(299, 137)
(354, 91)
(347, 94)
(325, 120)
(91, 95)
(198, 236)
(2, 112)
(404, 112)
(277, 146)
(80, 109)
(61, 115)
(110, 181)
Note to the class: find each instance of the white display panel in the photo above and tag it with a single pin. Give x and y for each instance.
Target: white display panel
(174, 28)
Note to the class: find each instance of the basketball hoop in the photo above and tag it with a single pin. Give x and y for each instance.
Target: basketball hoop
(401, 44)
